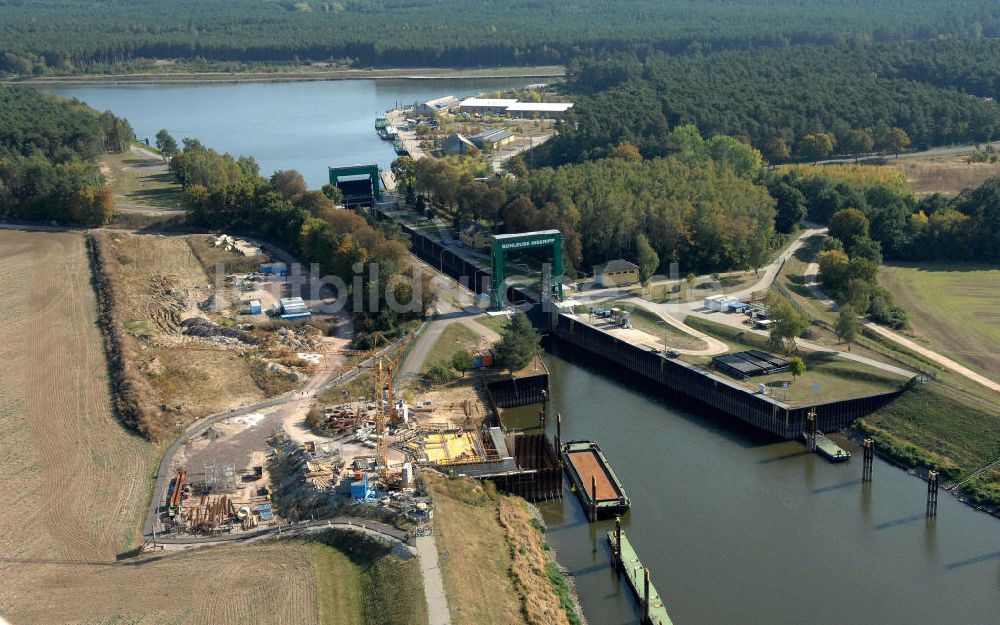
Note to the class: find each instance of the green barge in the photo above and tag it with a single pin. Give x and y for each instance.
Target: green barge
(625, 559)
(595, 483)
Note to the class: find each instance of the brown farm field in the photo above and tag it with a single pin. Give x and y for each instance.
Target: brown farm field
(947, 175)
(74, 482)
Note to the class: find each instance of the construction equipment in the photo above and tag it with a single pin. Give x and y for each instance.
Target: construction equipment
(174, 501)
(386, 413)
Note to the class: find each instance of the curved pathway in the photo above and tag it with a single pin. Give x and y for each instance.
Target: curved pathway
(944, 361)
(713, 346)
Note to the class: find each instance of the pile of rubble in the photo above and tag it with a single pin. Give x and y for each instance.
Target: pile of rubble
(296, 340)
(197, 326)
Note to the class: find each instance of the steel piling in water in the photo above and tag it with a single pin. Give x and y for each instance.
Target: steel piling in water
(932, 493)
(869, 459)
(593, 499)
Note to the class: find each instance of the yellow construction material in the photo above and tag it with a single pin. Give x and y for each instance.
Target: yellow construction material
(451, 448)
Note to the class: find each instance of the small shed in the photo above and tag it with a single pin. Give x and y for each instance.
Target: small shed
(618, 272)
(361, 489)
(255, 307)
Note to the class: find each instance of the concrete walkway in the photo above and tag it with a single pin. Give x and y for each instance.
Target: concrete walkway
(445, 314)
(437, 601)
(713, 345)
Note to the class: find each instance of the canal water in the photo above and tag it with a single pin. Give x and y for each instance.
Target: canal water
(739, 528)
(735, 527)
(307, 126)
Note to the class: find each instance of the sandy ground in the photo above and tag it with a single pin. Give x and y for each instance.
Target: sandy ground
(308, 73)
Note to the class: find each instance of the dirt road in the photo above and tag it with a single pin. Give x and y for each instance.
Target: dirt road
(944, 361)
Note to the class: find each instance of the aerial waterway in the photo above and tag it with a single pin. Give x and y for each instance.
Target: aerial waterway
(733, 526)
(736, 527)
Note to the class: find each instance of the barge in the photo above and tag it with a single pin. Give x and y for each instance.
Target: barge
(599, 489)
(828, 449)
(627, 561)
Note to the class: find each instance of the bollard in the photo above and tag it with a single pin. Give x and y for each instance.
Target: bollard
(811, 430)
(616, 554)
(932, 493)
(869, 458)
(593, 499)
(645, 602)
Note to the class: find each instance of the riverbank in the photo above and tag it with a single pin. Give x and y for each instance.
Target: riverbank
(296, 75)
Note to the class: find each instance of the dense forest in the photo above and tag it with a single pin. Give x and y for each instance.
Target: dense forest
(48, 151)
(702, 207)
(803, 103)
(38, 36)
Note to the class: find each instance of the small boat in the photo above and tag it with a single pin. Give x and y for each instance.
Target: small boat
(381, 122)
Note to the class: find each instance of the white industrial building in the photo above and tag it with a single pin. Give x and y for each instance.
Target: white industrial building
(440, 105)
(294, 308)
(509, 106)
(496, 106)
(549, 110)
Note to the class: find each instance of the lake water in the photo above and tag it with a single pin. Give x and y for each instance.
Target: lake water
(307, 126)
(735, 527)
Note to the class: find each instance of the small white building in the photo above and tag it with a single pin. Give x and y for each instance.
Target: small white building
(722, 303)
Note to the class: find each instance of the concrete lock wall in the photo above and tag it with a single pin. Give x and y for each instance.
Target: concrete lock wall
(511, 393)
(476, 278)
(757, 410)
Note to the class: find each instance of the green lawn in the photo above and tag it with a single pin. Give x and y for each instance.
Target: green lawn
(497, 323)
(838, 378)
(142, 181)
(456, 336)
(338, 586)
(953, 309)
(359, 582)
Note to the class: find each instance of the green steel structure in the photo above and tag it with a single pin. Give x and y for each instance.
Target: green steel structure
(503, 243)
(338, 174)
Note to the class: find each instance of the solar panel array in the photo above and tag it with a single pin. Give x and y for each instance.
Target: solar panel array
(750, 363)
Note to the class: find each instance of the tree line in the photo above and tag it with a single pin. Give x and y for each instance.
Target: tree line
(800, 104)
(40, 36)
(48, 152)
(898, 225)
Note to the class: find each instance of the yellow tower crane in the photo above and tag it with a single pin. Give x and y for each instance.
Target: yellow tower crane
(384, 415)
